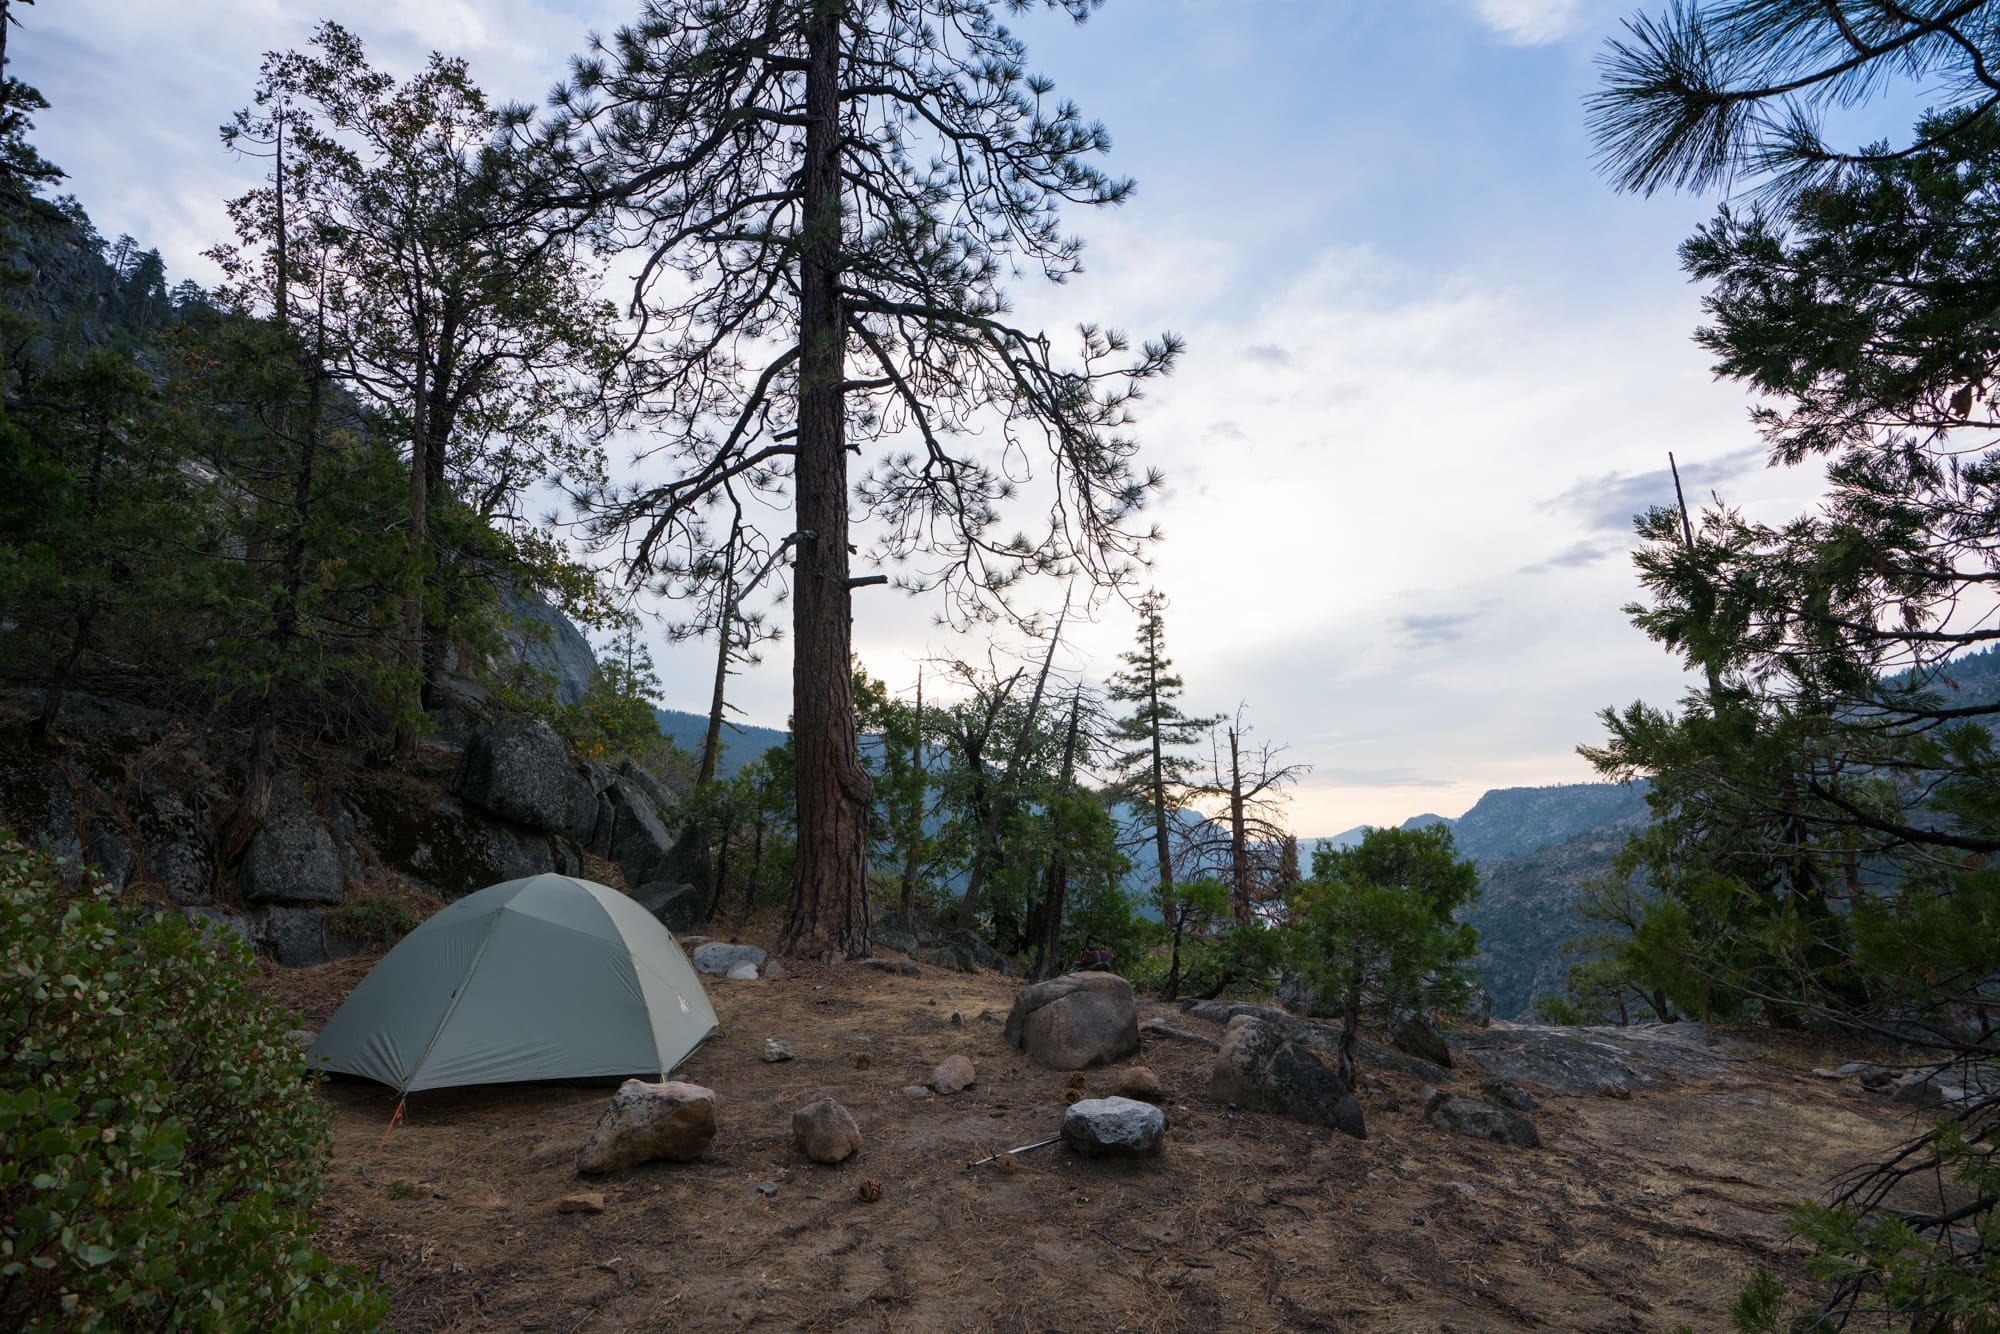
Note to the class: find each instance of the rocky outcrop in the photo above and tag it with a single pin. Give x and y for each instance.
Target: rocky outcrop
(671, 1122)
(1114, 1128)
(291, 858)
(1261, 1068)
(1591, 1059)
(548, 642)
(1322, 1038)
(519, 770)
(1076, 1020)
(679, 907)
(1411, 1033)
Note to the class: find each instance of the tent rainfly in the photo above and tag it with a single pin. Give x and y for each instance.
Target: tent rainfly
(550, 977)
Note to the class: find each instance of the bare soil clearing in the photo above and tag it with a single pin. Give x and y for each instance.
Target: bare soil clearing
(1638, 1213)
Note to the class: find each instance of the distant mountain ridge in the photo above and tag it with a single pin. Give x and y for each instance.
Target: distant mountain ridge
(741, 742)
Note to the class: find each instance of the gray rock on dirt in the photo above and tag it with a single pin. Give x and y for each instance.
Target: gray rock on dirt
(1259, 1067)
(1479, 1118)
(955, 1074)
(825, 1132)
(716, 958)
(646, 1122)
(1075, 1021)
(1114, 1128)
(1140, 1083)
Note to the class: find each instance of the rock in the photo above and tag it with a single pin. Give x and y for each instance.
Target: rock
(1412, 1034)
(775, 1050)
(678, 906)
(1509, 1094)
(767, 1188)
(716, 958)
(889, 938)
(542, 638)
(291, 858)
(947, 956)
(298, 938)
(648, 1122)
(447, 846)
(632, 830)
(975, 952)
(918, 1091)
(1466, 1189)
(519, 770)
(171, 837)
(109, 853)
(1114, 1128)
(1140, 1082)
(1260, 1068)
(1591, 1059)
(825, 1132)
(215, 924)
(587, 1202)
(1479, 1119)
(1877, 1077)
(1075, 1021)
(742, 972)
(1322, 1038)
(775, 972)
(1479, 1009)
(38, 802)
(955, 1074)
(899, 966)
(1926, 1088)
(1296, 996)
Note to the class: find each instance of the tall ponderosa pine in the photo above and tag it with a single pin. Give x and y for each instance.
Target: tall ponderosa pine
(1153, 770)
(825, 197)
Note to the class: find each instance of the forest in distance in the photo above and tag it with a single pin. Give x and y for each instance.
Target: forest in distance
(494, 400)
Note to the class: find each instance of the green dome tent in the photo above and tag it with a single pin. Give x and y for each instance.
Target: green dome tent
(550, 977)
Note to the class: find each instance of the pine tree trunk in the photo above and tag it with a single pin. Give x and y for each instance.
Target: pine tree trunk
(414, 639)
(913, 851)
(828, 917)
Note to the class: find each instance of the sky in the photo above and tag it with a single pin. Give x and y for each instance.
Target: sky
(1434, 363)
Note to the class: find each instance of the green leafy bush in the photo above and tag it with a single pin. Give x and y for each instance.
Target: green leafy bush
(163, 1146)
(376, 921)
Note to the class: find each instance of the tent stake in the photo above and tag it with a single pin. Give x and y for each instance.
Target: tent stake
(1038, 1144)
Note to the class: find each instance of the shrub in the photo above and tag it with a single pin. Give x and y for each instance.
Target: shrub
(375, 921)
(163, 1145)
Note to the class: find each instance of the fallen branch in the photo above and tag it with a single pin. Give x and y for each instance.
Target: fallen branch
(1158, 1029)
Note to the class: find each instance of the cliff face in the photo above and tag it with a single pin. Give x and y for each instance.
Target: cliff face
(140, 796)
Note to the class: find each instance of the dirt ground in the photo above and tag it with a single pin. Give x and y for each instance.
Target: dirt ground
(1636, 1214)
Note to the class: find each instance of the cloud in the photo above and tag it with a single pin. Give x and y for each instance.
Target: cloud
(1435, 628)
(1347, 777)
(1587, 552)
(1608, 503)
(1268, 354)
(1532, 22)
